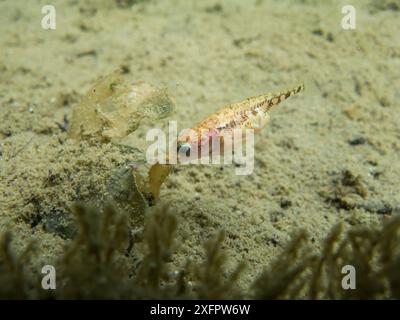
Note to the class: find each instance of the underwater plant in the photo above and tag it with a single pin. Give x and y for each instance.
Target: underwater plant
(373, 252)
(92, 264)
(15, 281)
(98, 263)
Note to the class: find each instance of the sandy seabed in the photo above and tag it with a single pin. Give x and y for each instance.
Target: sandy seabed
(330, 155)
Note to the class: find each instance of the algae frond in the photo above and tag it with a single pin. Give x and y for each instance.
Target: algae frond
(99, 263)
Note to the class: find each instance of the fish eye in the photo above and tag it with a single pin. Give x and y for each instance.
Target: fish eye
(184, 148)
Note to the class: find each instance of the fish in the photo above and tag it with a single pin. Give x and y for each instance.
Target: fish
(251, 113)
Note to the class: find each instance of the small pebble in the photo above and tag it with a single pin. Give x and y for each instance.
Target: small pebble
(357, 141)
